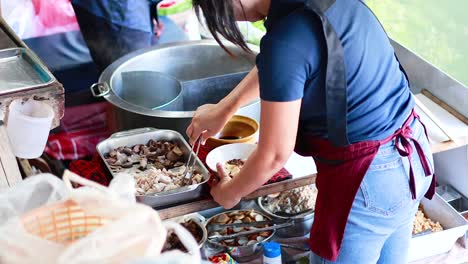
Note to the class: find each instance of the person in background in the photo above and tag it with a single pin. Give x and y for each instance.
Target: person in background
(331, 87)
(113, 28)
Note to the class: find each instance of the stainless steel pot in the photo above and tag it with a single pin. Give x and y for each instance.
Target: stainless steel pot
(302, 222)
(162, 86)
(239, 253)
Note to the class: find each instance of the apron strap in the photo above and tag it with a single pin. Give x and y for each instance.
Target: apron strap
(335, 80)
(154, 10)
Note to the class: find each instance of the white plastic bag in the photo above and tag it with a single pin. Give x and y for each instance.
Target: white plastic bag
(30, 194)
(133, 231)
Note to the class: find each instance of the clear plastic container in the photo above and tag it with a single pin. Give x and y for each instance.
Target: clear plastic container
(28, 127)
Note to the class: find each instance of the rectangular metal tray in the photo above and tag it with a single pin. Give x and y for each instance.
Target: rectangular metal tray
(460, 204)
(142, 136)
(448, 193)
(455, 227)
(21, 70)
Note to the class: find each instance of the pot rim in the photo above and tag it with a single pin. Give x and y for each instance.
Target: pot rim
(107, 76)
(307, 215)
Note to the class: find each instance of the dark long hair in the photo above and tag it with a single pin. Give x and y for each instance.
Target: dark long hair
(220, 20)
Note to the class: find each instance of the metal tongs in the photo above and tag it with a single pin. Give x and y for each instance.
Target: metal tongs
(217, 238)
(217, 227)
(188, 173)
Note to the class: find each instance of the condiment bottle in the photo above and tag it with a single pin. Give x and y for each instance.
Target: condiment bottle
(271, 253)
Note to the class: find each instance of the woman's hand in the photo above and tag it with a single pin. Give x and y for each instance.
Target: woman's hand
(221, 191)
(207, 121)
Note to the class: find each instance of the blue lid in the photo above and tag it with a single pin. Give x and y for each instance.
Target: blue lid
(271, 249)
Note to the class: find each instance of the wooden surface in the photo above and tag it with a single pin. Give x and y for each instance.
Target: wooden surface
(445, 106)
(9, 171)
(262, 191)
(434, 119)
(25, 167)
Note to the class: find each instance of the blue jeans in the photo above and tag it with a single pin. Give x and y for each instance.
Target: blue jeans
(381, 218)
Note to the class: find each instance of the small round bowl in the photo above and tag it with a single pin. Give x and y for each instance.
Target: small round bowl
(228, 152)
(199, 220)
(239, 129)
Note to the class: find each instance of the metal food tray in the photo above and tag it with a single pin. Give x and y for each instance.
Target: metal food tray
(21, 70)
(142, 136)
(455, 227)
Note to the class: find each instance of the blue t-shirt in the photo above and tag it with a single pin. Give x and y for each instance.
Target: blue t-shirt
(133, 14)
(292, 64)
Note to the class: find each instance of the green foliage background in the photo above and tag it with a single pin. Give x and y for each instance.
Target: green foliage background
(434, 29)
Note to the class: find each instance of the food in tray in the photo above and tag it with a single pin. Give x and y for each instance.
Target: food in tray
(158, 154)
(293, 201)
(157, 166)
(233, 166)
(173, 242)
(422, 223)
(155, 180)
(240, 217)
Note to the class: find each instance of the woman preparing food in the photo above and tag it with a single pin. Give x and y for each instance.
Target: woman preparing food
(332, 88)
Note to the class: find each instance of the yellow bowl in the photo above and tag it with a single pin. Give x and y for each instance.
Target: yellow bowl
(239, 129)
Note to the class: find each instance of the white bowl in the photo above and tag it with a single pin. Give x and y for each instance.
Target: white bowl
(228, 152)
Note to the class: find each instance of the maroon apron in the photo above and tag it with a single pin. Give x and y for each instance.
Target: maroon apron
(340, 173)
(341, 166)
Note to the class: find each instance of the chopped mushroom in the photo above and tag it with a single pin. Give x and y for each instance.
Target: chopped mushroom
(157, 166)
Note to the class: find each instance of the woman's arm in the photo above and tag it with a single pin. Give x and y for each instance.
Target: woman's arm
(212, 118)
(279, 124)
(245, 92)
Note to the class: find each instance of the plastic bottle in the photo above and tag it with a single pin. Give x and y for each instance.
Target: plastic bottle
(271, 253)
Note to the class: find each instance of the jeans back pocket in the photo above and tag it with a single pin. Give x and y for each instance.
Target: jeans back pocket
(385, 186)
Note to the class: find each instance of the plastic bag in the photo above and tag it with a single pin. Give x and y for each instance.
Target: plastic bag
(55, 13)
(20, 16)
(35, 18)
(130, 231)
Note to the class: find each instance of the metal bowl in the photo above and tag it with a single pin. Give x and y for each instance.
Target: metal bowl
(239, 129)
(199, 220)
(302, 222)
(240, 253)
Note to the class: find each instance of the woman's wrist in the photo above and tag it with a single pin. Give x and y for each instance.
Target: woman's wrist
(230, 104)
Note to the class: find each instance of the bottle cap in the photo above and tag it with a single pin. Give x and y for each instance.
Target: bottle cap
(271, 249)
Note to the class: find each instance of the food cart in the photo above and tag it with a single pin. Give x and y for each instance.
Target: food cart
(163, 114)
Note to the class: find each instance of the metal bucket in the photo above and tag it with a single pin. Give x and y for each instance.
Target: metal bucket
(140, 90)
(162, 86)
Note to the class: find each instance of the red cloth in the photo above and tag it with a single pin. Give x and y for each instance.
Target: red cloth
(94, 170)
(336, 193)
(82, 128)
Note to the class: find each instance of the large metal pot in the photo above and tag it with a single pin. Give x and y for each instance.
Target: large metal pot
(162, 86)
